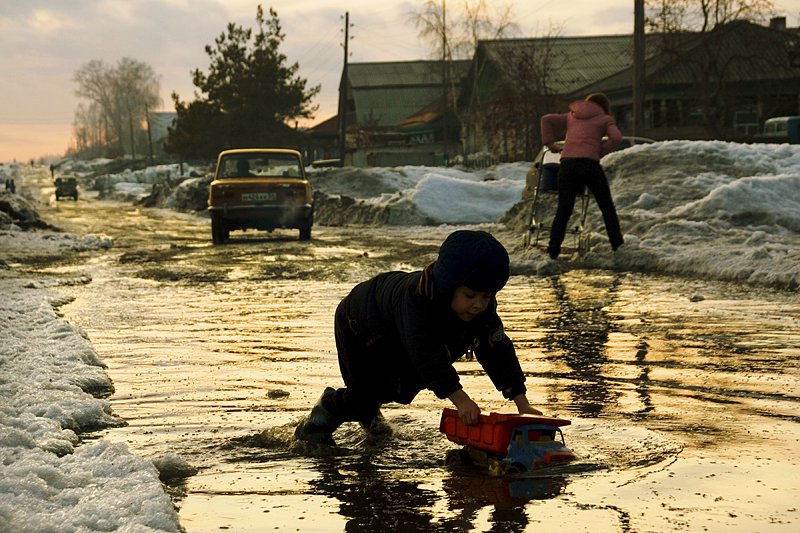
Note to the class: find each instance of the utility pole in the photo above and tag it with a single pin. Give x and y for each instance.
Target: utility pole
(638, 68)
(149, 133)
(343, 93)
(444, 82)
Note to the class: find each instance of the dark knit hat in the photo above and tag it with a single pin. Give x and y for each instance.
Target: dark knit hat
(471, 258)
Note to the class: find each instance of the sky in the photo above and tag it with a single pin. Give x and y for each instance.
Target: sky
(44, 42)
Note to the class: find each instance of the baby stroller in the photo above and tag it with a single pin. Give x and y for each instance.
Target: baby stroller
(544, 203)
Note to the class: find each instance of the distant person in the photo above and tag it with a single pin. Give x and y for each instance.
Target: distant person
(399, 333)
(590, 133)
(13, 186)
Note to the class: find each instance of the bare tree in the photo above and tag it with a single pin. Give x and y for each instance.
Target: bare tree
(87, 129)
(455, 34)
(695, 34)
(510, 116)
(119, 98)
(460, 30)
(704, 15)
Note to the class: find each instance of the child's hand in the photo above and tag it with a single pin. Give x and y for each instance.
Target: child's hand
(524, 407)
(468, 411)
(529, 410)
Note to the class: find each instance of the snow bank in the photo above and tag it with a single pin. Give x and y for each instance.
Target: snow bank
(706, 209)
(49, 481)
(408, 196)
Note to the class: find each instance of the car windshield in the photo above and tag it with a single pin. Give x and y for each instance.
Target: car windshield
(260, 164)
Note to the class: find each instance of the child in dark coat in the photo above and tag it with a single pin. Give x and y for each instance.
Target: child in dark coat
(399, 333)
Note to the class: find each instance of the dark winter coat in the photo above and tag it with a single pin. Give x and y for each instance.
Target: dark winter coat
(400, 319)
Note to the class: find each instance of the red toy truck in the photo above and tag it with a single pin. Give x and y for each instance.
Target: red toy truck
(506, 443)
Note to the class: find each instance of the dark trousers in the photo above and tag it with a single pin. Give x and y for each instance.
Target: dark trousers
(368, 383)
(573, 175)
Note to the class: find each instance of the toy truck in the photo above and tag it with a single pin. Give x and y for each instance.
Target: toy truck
(506, 443)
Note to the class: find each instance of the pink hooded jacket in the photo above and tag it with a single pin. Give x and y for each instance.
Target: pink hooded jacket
(584, 128)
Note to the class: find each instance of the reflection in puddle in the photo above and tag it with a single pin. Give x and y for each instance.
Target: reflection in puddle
(649, 376)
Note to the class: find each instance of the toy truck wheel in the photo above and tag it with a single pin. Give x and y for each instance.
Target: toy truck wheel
(457, 458)
(515, 468)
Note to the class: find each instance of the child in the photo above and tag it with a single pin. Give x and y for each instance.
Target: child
(400, 332)
(585, 127)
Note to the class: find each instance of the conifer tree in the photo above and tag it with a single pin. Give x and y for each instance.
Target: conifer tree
(247, 98)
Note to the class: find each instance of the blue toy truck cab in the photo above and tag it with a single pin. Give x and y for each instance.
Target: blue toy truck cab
(534, 446)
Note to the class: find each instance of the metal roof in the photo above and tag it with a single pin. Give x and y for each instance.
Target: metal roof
(580, 64)
(401, 73)
(576, 61)
(385, 94)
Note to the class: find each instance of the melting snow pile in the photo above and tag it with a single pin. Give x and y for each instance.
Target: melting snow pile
(48, 482)
(706, 209)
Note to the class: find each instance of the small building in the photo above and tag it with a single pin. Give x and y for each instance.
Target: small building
(401, 113)
(158, 123)
(324, 141)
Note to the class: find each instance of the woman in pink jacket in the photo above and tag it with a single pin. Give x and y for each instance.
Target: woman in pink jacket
(590, 134)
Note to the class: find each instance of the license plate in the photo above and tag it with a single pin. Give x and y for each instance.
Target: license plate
(258, 196)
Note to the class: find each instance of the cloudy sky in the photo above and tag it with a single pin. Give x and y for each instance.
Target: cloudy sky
(43, 43)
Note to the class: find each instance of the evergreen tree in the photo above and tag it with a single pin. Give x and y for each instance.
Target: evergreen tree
(247, 98)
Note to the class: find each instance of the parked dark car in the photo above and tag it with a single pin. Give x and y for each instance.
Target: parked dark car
(66, 188)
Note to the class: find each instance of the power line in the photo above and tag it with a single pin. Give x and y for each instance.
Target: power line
(325, 42)
(377, 41)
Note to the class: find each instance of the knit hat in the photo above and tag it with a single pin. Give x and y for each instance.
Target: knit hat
(471, 258)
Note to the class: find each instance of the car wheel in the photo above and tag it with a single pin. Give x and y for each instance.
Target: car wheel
(218, 233)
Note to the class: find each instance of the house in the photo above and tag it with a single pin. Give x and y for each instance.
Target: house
(511, 83)
(158, 124)
(721, 84)
(401, 113)
(324, 142)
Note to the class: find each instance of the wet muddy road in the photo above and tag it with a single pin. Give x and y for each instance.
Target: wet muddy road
(683, 394)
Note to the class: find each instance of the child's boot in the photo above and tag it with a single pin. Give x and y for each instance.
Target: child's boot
(378, 427)
(319, 425)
